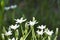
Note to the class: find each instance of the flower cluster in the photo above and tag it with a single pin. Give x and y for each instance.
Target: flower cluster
(14, 27)
(18, 24)
(47, 31)
(10, 7)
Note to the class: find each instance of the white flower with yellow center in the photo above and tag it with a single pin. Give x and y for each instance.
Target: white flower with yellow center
(20, 20)
(32, 23)
(40, 32)
(41, 27)
(14, 26)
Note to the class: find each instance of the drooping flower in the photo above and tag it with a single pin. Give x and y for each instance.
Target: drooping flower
(41, 27)
(48, 32)
(20, 20)
(8, 33)
(40, 32)
(32, 23)
(14, 26)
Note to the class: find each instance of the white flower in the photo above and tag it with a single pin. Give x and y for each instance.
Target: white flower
(12, 39)
(8, 33)
(20, 20)
(32, 23)
(41, 27)
(13, 6)
(14, 26)
(48, 32)
(10, 7)
(7, 8)
(40, 32)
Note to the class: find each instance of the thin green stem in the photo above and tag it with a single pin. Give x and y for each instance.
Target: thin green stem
(3, 38)
(16, 34)
(38, 37)
(49, 38)
(22, 30)
(33, 33)
(27, 35)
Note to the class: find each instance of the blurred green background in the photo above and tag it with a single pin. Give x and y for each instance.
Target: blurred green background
(47, 12)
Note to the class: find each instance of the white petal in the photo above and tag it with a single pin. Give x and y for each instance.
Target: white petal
(41, 27)
(40, 32)
(21, 20)
(14, 26)
(13, 38)
(48, 32)
(8, 33)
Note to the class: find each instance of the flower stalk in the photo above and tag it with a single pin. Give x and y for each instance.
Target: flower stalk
(16, 34)
(56, 33)
(3, 38)
(49, 38)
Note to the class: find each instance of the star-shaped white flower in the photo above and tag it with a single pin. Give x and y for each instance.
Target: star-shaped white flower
(41, 27)
(8, 33)
(40, 32)
(48, 32)
(20, 20)
(14, 26)
(32, 23)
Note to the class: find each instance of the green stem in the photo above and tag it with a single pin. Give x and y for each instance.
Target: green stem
(38, 37)
(33, 33)
(41, 37)
(55, 38)
(27, 35)
(49, 38)
(16, 34)
(56, 33)
(3, 38)
(22, 30)
(8, 37)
